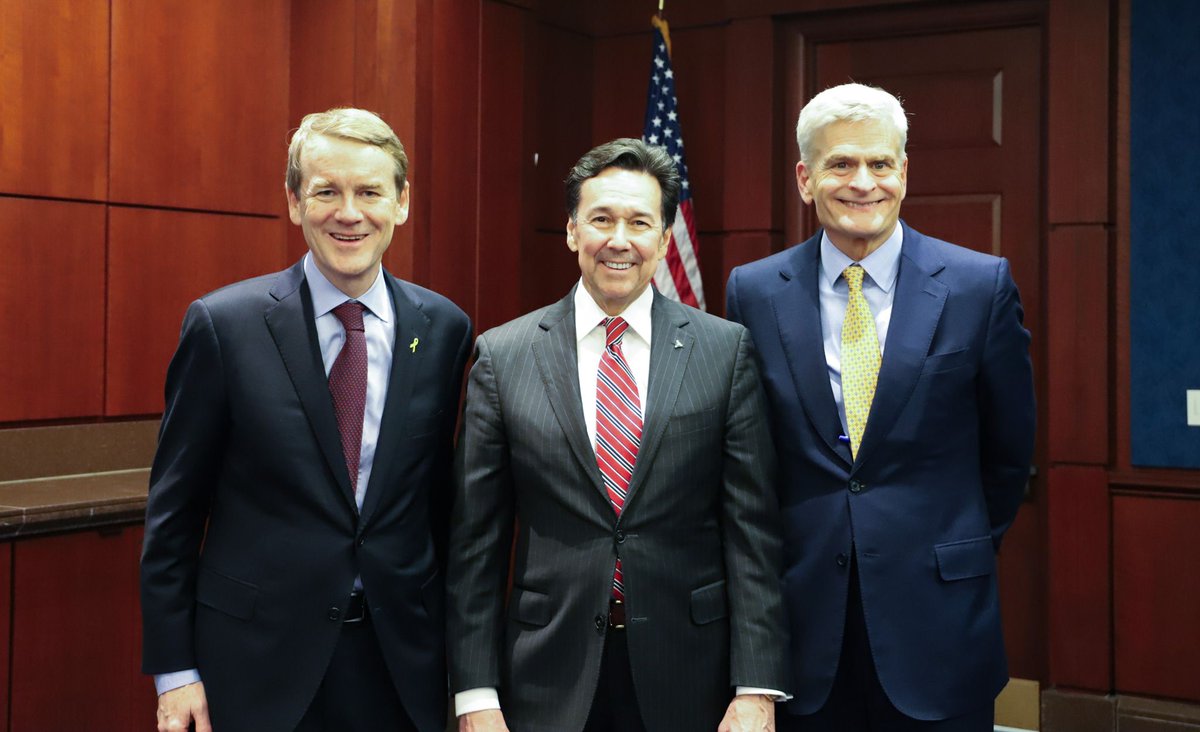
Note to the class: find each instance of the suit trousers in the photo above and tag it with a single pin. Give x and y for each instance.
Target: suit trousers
(858, 702)
(615, 705)
(356, 694)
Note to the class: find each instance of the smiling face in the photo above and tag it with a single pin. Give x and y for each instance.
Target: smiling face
(857, 179)
(617, 231)
(348, 208)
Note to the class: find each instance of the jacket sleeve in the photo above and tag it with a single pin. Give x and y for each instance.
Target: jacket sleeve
(481, 533)
(751, 533)
(187, 464)
(1007, 410)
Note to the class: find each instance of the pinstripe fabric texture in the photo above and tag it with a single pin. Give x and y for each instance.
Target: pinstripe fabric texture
(697, 538)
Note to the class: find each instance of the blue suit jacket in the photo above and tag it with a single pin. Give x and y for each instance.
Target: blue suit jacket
(937, 481)
(253, 538)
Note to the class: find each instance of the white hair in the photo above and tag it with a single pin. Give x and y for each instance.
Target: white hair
(848, 103)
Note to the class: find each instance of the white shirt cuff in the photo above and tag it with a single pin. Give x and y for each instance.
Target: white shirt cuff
(775, 695)
(476, 700)
(168, 682)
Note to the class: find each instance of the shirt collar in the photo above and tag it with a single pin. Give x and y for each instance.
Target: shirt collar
(881, 265)
(326, 296)
(588, 314)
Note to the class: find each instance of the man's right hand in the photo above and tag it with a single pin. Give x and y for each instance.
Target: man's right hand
(488, 720)
(180, 707)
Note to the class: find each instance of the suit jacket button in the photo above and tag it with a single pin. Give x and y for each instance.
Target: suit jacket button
(335, 614)
(841, 560)
(620, 536)
(856, 486)
(600, 623)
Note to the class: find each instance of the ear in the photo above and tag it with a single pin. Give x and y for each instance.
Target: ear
(294, 211)
(666, 243)
(402, 204)
(803, 179)
(904, 178)
(571, 234)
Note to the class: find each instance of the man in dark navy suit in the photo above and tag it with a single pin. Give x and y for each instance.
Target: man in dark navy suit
(901, 395)
(297, 516)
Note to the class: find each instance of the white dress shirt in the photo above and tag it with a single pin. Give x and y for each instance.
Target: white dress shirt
(379, 327)
(879, 289)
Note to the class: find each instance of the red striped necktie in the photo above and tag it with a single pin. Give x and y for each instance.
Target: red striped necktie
(618, 426)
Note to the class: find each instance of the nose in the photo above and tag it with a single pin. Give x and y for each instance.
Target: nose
(620, 236)
(862, 179)
(347, 211)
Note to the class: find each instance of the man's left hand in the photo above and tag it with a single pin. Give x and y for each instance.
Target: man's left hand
(749, 713)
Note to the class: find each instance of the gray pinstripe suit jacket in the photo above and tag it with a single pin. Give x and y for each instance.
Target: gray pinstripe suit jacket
(698, 538)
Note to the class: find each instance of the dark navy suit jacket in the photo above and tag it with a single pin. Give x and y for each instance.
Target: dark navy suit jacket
(253, 539)
(937, 481)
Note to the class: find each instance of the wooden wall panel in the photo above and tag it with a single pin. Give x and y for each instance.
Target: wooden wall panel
(5, 632)
(51, 309)
(503, 166)
(1022, 577)
(455, 135)
(1080, 580)
(1077, 398)
(159, 262)
(756, 163)
(76, 642)
(620, 74)
(699, 61)
(554, 269)
(54, 104)
(385, 60)
(1156, 563)
(1078, 182)
(562, 104)
(199, 104)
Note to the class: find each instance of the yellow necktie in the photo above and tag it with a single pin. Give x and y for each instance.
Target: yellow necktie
(860, 358)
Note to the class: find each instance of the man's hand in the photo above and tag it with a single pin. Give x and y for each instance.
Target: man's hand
(488, 720)
(748, 713)
(180, 707)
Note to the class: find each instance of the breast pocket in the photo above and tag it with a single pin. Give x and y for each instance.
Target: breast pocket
(938, 363)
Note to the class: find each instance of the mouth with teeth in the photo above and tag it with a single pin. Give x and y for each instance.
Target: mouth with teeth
(859, 205)
(347, 238)
(619, 266)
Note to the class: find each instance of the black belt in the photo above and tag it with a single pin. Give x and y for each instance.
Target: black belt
(356, 609)
(616, 614)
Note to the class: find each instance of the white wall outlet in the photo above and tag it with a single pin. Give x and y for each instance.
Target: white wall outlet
(1193, 407)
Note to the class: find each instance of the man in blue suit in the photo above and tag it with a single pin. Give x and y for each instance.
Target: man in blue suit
(901, 395)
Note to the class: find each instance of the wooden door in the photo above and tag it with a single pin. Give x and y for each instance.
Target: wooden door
(972, 86)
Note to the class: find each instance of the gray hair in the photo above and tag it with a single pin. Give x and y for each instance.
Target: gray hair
(848, 103)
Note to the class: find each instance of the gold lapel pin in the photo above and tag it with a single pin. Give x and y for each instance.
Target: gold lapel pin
(413, 346)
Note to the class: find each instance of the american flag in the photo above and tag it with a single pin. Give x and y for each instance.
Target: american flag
(678, 275)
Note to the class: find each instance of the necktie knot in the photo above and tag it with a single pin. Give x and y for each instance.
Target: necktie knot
(614, 329)
(350, 313)
(854, 277)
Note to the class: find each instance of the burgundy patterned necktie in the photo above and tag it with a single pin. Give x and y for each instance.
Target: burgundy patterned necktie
(348, 384)
(618, 426)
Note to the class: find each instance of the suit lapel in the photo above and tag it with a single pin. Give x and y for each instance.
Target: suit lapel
(916, 310)
(797, 307)
(556, 353)
(292, 326)
(412, 326)
(668, 364)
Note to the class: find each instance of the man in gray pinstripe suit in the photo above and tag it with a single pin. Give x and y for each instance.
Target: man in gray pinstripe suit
(691, 638)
